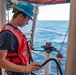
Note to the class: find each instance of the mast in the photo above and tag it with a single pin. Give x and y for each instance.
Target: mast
(34, 22)
(71, 50)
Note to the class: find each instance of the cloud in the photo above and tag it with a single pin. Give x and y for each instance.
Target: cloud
(54, 12)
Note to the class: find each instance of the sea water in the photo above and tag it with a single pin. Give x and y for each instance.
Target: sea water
(49, 31)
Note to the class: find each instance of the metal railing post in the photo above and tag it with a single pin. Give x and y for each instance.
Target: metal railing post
(48, 49)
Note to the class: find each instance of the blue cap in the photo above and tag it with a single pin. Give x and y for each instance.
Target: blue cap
(26, 8)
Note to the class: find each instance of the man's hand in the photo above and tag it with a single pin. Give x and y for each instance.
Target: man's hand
(33, 66)
(31, 47)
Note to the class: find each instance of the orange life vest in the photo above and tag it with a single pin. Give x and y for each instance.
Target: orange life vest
(22, 56)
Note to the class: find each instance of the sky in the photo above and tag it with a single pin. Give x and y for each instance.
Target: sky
(54, 12)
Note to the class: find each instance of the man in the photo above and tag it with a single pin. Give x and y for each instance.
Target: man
(14, 54)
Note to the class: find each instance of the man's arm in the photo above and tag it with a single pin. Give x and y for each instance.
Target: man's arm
(16, 68)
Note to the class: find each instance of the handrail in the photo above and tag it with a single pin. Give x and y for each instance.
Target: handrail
(44, 55)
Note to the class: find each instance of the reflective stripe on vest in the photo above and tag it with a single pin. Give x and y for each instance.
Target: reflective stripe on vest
(22, 56)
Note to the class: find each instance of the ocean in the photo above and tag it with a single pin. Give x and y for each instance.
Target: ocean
(49, 31)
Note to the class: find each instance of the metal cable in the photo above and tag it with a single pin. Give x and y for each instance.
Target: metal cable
(56, 63)
(63, 40)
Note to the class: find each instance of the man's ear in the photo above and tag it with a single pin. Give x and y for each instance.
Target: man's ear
(20, 15)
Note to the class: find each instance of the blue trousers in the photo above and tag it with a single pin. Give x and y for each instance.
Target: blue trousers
(15, 73)
(0, 72)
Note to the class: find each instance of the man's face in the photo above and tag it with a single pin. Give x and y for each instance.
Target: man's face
(23, 20)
